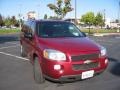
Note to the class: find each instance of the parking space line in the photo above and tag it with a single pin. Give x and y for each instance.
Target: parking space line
(105, 41)
(117, 37)
(11, 43)
(10, 46)
(24, 59)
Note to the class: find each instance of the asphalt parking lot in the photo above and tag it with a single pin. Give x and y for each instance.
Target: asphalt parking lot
(16, 72)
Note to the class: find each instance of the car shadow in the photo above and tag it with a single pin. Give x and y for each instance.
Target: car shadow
(9, 38)
(112, 59)
(115, 69)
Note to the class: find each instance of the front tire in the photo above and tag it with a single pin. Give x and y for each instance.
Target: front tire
(38, 75)
(22, 51)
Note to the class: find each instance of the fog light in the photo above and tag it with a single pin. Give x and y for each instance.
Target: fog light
(57, 67)
(106, 61)
(61, 71)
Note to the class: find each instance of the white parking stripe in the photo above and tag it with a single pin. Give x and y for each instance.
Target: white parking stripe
(10, 46)
(105, 41)
(25, 59)
(117, 37)
(11, 43)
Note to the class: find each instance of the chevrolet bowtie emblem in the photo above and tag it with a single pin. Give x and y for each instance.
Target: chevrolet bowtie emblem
(87, 61)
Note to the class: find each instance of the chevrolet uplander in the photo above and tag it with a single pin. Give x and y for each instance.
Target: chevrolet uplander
(59, 51)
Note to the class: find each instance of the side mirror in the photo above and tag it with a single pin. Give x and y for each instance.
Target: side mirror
(84, 34)
(28, 35)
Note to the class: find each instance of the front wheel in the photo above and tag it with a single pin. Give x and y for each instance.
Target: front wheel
(38, 75)
(22, 51)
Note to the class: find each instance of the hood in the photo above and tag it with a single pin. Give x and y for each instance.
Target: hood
(69, 44)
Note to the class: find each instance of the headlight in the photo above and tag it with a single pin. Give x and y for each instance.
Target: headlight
(54, 55)
(103, 51)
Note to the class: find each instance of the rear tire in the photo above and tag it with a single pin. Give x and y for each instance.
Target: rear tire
(22, 51)
(38, 75)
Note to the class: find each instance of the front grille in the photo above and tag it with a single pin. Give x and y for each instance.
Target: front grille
(85, 57)
(85, 66)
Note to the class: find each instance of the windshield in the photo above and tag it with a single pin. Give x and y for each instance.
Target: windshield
(58, 29)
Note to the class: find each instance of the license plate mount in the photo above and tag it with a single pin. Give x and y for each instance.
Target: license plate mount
(87, 74)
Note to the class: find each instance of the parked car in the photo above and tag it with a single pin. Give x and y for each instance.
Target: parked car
(59, 51)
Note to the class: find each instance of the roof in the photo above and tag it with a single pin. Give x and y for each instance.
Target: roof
(47, 20)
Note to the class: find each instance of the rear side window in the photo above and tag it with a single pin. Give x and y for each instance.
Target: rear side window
(29, 26)
(33, 26)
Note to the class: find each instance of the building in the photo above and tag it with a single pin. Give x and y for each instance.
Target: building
(111, 24)
(31, 15)
(72, 20)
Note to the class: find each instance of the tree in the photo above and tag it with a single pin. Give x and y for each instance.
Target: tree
(99, 21)
(45, 16)
(88, 19)
(117, 20)
(54, 17)
(1, 20)
(13, 20)
(67, 7)
(61, 8)
(8, 22)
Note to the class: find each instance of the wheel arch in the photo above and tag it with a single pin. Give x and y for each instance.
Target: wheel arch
(34, 56)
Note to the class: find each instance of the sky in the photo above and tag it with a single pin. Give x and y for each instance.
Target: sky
(14, 7)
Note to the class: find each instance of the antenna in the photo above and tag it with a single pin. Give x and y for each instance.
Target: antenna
(119, 13)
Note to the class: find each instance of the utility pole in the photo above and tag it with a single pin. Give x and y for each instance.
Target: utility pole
(118, 17)
(104, 15)
(54, 4)
(75, 12)
(38, 11)
(119, 13)
(20, 15)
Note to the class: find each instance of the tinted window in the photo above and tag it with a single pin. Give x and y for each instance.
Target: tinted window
(32, 25)
(58, 29)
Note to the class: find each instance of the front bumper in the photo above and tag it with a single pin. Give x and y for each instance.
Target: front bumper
(70, 78)
(67, 72)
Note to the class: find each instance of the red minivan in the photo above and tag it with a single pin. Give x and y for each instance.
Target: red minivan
(59, 51)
